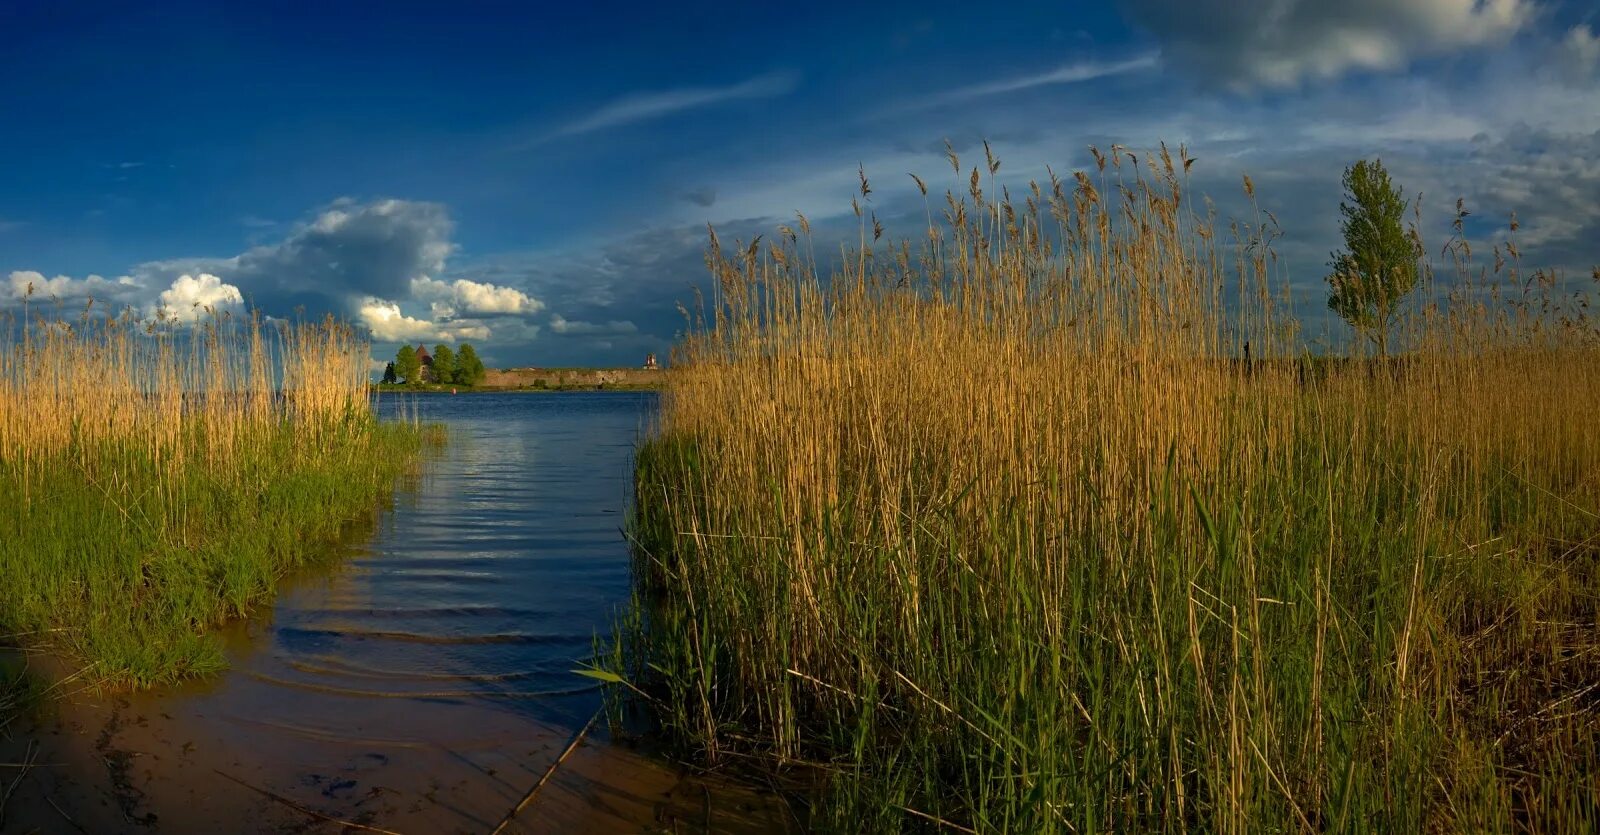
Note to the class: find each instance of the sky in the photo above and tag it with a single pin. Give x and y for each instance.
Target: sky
(537, 179)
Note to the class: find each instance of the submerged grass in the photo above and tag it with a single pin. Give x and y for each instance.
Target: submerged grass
(1010, 531)
(160, 479)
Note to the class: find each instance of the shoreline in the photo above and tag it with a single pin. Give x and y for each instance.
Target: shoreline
(444, 389)
(532, 379)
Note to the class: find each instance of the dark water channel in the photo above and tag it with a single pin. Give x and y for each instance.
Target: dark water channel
(424, 682)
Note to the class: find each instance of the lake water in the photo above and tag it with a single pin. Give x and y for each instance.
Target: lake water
(491, 577)
(424, 682)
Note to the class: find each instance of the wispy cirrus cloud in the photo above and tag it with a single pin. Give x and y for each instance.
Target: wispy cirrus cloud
(562, 325)
(1075, 73)
(638, 107)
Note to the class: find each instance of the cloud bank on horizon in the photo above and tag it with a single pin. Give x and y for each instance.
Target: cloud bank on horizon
(487, 194)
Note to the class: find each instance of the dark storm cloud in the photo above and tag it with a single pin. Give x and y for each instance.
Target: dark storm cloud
(349, 251)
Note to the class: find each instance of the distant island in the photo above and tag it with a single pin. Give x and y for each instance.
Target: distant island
(444, 370)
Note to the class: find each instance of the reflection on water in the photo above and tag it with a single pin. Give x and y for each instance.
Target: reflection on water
(423, 683)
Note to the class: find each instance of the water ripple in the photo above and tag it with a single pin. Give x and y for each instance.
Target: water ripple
(485, 585)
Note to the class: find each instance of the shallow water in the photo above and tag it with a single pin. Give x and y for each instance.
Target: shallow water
(423, 683)
(488, 582)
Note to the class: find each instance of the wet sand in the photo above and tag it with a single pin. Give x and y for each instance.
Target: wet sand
(179, 762)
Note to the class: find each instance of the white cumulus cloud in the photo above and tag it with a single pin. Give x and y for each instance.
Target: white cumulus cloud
(192, 297)
(473, 298)
(389, 324)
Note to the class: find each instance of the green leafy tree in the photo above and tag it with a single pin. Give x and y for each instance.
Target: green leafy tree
(1379, 264)
(444, 364)
(389, 375)
(469, 369)
(407, 365)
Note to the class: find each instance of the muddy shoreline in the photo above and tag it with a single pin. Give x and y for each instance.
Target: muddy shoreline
(164, 762)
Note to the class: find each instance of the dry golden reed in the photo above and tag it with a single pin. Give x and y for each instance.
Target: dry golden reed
(161, 475)
(1047, 522)
(83, 384)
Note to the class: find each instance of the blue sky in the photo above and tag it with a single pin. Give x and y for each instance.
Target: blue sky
(537, 180)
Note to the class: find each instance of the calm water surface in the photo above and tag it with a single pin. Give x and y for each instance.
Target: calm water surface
(491, 577)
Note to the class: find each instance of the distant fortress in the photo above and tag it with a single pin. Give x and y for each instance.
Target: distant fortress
(648, 375)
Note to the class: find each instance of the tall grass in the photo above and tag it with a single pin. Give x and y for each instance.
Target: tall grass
(1008, 530)
(159, 478)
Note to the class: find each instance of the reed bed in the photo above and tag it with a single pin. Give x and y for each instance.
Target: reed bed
(1043, 522)
(160, 477)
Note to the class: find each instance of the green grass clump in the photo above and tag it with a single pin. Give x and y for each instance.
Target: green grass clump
(129, 576)
(163, 482)
(1004, 536)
